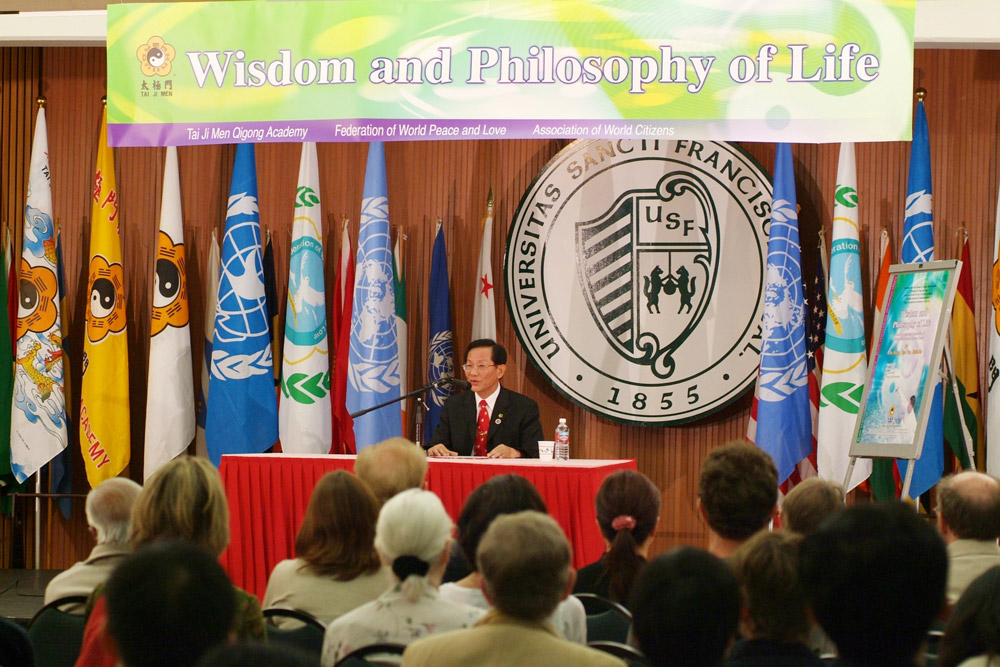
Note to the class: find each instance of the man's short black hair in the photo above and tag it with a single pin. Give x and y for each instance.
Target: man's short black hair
(498, 353)
(685, 609)
(168, 604)
(875, 577)
(503, 494)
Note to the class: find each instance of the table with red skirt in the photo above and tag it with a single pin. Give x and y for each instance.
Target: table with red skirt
(268, 495)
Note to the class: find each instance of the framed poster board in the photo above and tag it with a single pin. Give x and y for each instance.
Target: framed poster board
(906, 356)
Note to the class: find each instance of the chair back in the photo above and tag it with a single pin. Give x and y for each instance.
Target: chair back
(606, 620)
(306, 634)
(633, 657)
(56, 633)
(384, 655)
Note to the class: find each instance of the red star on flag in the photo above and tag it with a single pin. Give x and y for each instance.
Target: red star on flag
(486, 285)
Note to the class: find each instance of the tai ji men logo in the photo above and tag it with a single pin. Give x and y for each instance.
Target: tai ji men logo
(155, 57)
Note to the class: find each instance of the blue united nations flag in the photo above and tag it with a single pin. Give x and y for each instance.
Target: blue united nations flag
(918, 246)
(784, 425)
(243, 413)
(373, 371)
(440, 362)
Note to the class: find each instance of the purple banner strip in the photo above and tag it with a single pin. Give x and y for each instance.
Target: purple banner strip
(810, 130)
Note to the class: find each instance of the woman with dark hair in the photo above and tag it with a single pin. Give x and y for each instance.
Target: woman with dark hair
(504, 494)
(628, 510)
(336, 568)
(972, 635)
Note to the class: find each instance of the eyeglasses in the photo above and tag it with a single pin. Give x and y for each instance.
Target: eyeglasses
(468, 368)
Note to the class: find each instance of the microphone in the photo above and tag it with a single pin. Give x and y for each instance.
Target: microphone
(458, 384)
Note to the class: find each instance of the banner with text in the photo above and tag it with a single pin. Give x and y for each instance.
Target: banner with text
(184, 73)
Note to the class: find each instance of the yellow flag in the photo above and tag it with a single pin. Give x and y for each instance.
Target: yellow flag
(104, 414)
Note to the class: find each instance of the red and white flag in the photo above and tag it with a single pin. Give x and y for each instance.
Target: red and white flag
(484, 314)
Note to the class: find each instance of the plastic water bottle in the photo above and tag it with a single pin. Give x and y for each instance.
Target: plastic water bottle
(561, 449)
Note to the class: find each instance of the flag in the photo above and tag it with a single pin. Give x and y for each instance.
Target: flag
(815, 337)
(484, 314)
(9, 465)
(104, 406)
(170, 415)
(304, 417)
(343, 299)
(918, 246)
(440, 355)
(784, 425)
(212, 270)
(845, 363)
(885, 482)
(399, 288)
(242, 408)
(373, 372)
(965, 372)
(33, 384)
(993, 370)
(271, 297)
(61, 468)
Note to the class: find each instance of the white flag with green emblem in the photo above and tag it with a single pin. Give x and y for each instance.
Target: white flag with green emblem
(845, 362)
(304, 417)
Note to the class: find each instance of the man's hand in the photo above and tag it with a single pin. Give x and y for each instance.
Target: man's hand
(440, 450)
(503, 452)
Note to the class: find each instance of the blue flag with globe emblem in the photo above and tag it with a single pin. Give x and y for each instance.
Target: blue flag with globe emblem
(373, 368)
(243, 413)
(918, 246)
(784, 424)
(441, 353)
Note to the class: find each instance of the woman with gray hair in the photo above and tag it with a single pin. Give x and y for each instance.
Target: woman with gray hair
(413, 537)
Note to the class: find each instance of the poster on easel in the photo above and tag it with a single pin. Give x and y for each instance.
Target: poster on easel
(905, 360)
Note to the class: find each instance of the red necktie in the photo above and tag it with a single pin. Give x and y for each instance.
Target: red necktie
(482, 429)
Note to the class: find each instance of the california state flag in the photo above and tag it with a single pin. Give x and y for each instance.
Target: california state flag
(170, 418)
(104, 411)
(484, 313)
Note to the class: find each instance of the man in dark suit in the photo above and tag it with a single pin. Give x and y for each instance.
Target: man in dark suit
(489, 420)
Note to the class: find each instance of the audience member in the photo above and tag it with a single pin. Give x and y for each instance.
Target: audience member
(810, 503)
(972, 635)
(737, 495)
(413, 536)
(15, 647)
(504, 494)
(874, 576)
(109, 517)
(258, 654)
(336, 568)
(168, 604)
(774, 622)
(628, 511)
(183, 500)
(525, 562)
(391, 466)
(685, 608)
(969, 521)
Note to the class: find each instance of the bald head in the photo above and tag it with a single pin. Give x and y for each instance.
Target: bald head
(109, 510)
(970, 506)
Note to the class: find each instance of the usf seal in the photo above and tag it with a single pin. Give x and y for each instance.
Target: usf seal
(635, 275)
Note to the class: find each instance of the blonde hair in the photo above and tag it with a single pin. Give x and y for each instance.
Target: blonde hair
(391, 466)
(412, 523)
(183, 499)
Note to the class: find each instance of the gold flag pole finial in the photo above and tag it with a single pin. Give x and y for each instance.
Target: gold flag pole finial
(921, 93)
(104, 100)
(41, 101)
(489, 202)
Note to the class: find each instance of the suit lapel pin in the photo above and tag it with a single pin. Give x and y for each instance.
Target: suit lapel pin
(499, 417)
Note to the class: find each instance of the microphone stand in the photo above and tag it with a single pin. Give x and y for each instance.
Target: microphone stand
(421, 404)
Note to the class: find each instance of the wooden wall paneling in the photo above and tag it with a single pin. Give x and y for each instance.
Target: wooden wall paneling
(450, 180)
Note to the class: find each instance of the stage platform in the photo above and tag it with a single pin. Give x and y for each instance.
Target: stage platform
(22, 593)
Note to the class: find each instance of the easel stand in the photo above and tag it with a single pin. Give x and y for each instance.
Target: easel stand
(947, 375)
